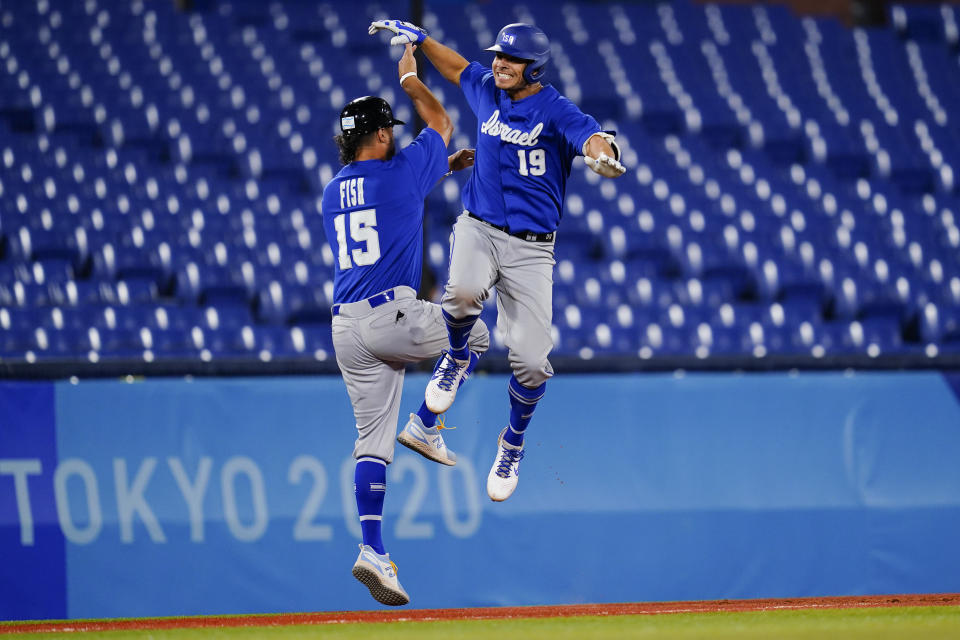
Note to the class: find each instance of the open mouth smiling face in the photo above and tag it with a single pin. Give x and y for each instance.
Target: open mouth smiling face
(508, 71)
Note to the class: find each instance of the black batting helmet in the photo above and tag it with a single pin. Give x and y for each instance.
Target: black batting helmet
(364, 115)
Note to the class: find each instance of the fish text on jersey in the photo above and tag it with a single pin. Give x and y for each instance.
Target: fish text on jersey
(493, 127)
(351, 193)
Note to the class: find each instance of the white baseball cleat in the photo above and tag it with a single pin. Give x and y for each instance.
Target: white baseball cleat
(443, 385)
(379, 574)
(427, 442)
(505, 473)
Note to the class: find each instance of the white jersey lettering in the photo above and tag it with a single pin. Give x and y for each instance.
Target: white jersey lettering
(493, 127)
(351, 193)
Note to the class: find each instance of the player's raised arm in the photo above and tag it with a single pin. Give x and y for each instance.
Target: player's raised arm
(423, 100)
(448, 62)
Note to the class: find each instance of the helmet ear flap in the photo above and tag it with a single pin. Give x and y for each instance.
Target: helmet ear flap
(532, 75)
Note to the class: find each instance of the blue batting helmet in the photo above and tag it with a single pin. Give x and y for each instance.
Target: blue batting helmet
(525, 42)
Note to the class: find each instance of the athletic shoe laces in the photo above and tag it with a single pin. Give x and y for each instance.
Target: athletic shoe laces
(447, 372)
(510, 456)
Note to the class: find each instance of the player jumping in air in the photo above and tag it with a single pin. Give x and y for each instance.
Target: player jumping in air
(373, 217)
(527, 137)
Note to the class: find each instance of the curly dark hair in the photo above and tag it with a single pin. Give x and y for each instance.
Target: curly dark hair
(349, 145)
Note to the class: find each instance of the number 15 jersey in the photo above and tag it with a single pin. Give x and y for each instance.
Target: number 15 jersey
(525, 150)
(373, 218)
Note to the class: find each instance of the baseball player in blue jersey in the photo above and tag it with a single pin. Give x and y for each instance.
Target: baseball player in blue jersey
(373, 219)
(527, 137)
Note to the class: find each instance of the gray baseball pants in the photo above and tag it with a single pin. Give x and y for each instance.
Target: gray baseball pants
(373, 344)
(483, 257)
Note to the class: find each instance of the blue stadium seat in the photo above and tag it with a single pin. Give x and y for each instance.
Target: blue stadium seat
(791, 188)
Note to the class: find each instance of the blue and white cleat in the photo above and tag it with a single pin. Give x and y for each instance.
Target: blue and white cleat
(427, 442)
(505, 473)
(379, 574)
(442, 388)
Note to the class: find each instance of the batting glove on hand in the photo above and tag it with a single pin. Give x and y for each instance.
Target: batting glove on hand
(606, 166)
(406, 32)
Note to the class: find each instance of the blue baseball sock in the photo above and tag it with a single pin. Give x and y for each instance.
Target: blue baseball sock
(370, 487)
(429, 418)
(459, 332)
(523, 401)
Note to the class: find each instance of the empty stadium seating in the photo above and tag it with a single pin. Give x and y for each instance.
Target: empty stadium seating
(791, 183)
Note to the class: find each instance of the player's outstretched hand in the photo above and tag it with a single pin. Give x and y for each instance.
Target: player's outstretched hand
(606, 166)
(461, 159)
(404, 32)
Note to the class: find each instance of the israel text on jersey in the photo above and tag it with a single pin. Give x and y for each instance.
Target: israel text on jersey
(493, 127)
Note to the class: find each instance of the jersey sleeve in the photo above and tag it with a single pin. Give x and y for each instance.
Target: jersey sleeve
(474, 79)
(576, 126)
(426, 157)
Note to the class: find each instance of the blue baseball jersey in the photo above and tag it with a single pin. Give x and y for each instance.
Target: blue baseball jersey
(373, 218)
(525, 150)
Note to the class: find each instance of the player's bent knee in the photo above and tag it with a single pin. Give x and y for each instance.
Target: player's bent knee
(461, 301)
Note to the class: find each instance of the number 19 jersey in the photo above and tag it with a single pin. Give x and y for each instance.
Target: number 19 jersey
(373, 218)
(525, 149)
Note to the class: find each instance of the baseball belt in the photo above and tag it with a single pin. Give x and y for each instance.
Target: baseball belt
(374, 301)
(529, 236)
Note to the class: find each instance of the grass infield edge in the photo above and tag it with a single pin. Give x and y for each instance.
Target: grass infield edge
(480, 613)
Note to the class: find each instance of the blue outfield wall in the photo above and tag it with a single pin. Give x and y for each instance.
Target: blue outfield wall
(176, 497)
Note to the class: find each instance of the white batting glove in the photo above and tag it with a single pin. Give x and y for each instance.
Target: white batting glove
(613, 144)
(606, 166)
(405, 32)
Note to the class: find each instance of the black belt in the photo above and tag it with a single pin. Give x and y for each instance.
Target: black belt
(529, 236)
(373, 301)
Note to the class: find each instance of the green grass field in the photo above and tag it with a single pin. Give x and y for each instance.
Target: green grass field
(874, 623)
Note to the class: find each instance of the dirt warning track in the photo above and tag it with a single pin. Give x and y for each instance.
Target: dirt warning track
(485, 613)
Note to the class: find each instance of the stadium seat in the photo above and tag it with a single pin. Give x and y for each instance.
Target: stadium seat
(791, 183)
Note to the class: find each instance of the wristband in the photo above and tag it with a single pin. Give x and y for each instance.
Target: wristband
(407, 75)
